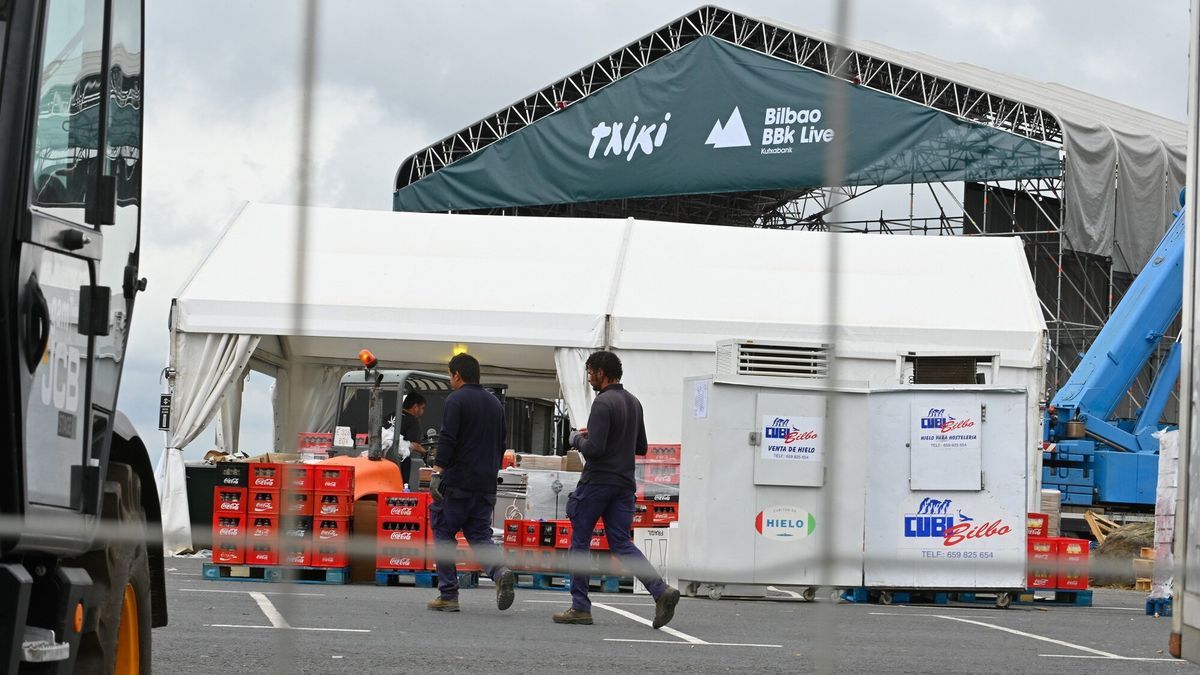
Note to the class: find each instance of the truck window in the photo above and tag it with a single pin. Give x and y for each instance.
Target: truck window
(66, 152)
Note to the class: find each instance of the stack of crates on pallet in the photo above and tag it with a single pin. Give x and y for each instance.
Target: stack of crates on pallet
(657, 477)
(402, 532)
(1054, 563)
(541, 545)
(292, 514)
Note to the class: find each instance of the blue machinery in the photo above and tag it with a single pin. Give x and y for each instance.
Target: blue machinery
(1097, 459)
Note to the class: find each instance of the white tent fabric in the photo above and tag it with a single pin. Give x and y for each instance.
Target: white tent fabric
(1106, 145)
(305, 399)
(207, 368)
(533, 296)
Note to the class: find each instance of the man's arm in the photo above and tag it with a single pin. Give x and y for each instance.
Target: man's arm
(641, 448)
(596, 443)
(448, 438)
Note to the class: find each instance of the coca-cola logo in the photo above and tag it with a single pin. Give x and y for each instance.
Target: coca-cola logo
(329, 534)
(229, 531)
(264, 506)
(261, 532)
(329, 510)
(400, 562)
(402, 510)
(231, 506)
(965, 531)
(404, 536)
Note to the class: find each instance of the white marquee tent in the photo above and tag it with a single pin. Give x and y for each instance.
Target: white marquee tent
(531, 297)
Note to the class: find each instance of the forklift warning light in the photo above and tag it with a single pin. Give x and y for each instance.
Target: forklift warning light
(367, 358)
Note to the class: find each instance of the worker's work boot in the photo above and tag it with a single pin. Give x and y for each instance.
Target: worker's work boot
(574, 616)
(504, 590)
(664, 607)
(443, 605)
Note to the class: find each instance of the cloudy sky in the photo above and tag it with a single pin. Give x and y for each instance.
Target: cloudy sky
(223, 86)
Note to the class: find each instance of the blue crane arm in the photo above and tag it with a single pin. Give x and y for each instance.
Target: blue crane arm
(1127, 341)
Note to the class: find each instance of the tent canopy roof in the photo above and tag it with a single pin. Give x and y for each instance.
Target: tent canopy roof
(432, 280)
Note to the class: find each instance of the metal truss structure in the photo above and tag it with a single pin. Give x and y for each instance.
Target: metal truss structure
(1077, 291)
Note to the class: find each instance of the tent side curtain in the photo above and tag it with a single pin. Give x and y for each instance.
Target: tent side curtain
(305, 399)
(208, 367)
(716, 118)
(572, 379)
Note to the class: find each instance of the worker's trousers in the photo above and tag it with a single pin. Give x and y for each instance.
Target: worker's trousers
(586, 505)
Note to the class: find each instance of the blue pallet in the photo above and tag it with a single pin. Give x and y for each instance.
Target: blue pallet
(549, 581)
(422, 578)
(275, 574)
(863, 595)
(1158, 607)
(1059, 597)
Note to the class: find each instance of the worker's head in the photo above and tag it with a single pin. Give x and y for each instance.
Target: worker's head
(414, 404)
(603, 369)
(464, 369)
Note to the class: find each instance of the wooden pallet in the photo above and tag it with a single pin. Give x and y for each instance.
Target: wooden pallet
(276, 574)
(422, 578)
(1142, 584)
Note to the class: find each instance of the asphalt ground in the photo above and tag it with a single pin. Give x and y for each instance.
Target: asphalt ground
(257, 627)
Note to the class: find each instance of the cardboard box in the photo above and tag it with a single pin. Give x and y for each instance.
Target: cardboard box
(229, 500)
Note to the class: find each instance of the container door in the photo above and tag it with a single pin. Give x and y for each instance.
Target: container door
(791, 439)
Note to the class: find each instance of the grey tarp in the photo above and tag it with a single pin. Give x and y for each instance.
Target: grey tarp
(1124, 166)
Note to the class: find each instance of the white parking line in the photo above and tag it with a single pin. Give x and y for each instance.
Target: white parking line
(222, 590)
(686, 639)
(666, 629)
(694, 644)
(267, 608)
(1097, 652)
(328, 630)
(1122, 658)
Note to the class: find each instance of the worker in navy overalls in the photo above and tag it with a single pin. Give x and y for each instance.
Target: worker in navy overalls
(463, 487)
(615, 432)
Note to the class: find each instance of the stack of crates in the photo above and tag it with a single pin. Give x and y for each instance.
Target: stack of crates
(541, 545)
(291, 514)
(402, 532)
(657, 477)
(1054, 563)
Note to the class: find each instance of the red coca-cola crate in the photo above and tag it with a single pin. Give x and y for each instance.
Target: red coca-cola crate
(662, 513)
(660, 473)
(1041, 563)
(333, 504)
(298, 477)
(264, 528)
(231, 551)
(1037, 525)
(228, 525)
(531, 531)
(262, 552)
(403, 504)
(394, 557)
(466, 557)
(296, 552)
(328, 554)
(547, 534)
(656, 453)
(1072, 564)
(512, 533)
(642, 513)
(229, 500)
(265, 476)
(233, 474)
(599, 538)
(399, 531)
(562, 534)
(331, 528)
(263, 502)
(334, 478)
(314, 442)
(297, 503)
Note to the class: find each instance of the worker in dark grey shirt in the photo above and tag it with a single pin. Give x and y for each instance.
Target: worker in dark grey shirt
(463, 486)
(615, 432)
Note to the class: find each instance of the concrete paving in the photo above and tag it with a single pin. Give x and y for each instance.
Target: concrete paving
(253, 627)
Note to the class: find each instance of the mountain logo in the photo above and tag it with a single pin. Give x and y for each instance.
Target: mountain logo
(731, 134)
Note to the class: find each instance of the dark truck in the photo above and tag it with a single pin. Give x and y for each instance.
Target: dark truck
(81, 568)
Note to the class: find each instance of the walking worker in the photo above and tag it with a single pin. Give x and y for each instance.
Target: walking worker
(463, 487)
(615, 432)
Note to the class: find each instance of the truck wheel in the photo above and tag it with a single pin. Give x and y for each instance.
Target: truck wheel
(118, 640)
